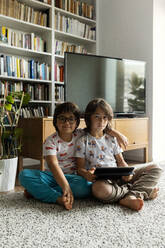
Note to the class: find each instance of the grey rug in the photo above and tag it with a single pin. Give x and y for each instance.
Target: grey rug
(29, 223)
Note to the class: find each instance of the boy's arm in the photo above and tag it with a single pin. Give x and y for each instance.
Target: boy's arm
(121, 163)
(120, 160)
(61, 180)
(87, 174)
(121, 139)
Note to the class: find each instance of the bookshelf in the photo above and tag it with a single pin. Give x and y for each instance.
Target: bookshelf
(38, 33)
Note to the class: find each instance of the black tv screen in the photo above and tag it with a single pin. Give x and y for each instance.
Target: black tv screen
(121, 82)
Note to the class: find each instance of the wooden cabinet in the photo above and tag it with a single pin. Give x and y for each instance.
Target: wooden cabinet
(136, 130)
(36, 130)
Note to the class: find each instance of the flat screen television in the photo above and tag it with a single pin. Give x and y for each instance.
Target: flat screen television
(121, 82)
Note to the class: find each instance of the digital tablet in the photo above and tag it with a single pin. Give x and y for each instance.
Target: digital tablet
(113, 172)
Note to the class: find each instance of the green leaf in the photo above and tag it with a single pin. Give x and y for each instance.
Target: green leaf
(10, 99)
(8, 106)
(26, 99)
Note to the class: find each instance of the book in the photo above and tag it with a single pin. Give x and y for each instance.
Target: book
(32, 68)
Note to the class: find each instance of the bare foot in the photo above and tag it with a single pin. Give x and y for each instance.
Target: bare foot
(154, 193)
(132, 203)
(63, 201)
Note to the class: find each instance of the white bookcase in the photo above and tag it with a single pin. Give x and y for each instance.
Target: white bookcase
(50, 35)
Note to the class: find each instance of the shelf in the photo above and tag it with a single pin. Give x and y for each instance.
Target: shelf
(4, 48)
(40, 101)
(11, 22)
(37, 5)
(59, 83)
(81, 18)
(72, 38)
(49, 35)
(59, 58)
(57, 102)
(25, 79)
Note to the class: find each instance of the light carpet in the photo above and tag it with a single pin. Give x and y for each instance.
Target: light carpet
(29, 223)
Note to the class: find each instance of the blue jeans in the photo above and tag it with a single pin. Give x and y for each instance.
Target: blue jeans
(42, 185)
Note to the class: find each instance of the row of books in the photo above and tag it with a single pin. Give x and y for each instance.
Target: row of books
(21, 39)
(76, 7)
(58, 72)
(7, 87)
(21, 11)
(34, 111)
(39, 92)
(20, 67)
(36, 91)
(62, 46)
(59, 93)
(27, 112)
(73, 26)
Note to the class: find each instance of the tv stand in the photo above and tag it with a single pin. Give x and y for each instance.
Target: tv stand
(36, 130)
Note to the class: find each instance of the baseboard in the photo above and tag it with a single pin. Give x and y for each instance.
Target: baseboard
(30, 162)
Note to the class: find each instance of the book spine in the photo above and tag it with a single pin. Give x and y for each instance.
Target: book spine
(32, 68)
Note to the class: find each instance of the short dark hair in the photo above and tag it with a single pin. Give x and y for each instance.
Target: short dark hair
(91, 108)
(66, 107)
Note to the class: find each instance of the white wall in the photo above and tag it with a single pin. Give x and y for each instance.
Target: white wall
(125, 30)
(159, 81)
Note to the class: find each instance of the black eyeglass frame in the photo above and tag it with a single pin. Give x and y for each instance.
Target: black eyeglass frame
(64, 119)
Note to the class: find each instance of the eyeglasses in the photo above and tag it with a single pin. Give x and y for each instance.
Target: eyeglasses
(64, 119)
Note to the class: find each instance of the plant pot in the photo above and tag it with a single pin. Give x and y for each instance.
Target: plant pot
(8, 170)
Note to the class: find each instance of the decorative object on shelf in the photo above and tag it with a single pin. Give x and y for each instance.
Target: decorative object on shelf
(10, 137)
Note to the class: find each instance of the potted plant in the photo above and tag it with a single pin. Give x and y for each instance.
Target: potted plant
(10, 137)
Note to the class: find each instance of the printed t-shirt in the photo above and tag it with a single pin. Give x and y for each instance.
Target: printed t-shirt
(64, 151)
(98, 152)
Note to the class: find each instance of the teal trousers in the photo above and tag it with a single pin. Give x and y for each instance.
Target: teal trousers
(43, 186)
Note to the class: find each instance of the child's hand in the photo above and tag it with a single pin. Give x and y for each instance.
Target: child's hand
(67, 198)
(127, 178)
(90, 175)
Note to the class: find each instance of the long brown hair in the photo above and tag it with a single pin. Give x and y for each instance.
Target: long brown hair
(91, 108)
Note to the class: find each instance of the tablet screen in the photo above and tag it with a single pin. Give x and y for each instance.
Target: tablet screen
(109, 172)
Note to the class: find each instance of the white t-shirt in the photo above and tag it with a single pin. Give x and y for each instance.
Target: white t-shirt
(98, 152)
(64, 151)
